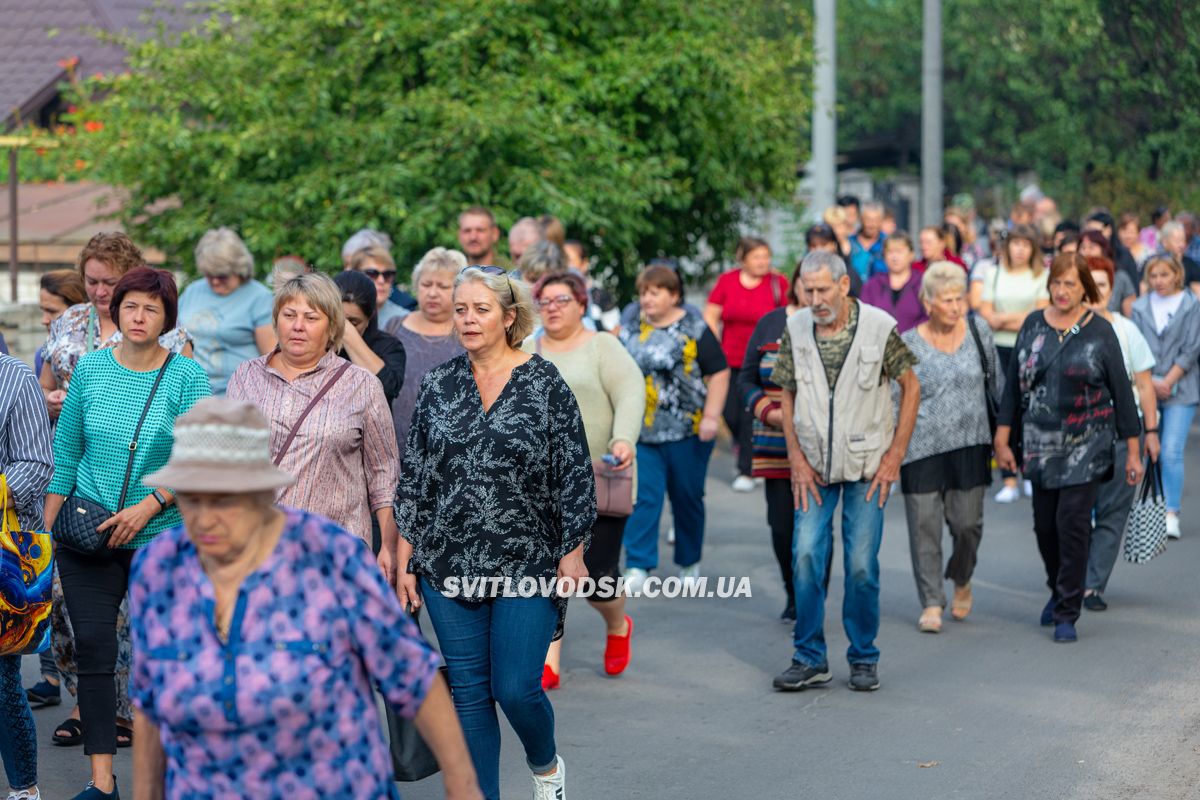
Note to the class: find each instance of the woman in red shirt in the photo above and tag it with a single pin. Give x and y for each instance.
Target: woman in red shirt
(740, 298)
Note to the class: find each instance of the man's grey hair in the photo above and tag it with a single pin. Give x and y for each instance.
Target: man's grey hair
(819, 260)
(363, 239)
(875, 206)
(525, 228)
(542, 258)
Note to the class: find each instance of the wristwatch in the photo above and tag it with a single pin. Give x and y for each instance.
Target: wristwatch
(162, 501)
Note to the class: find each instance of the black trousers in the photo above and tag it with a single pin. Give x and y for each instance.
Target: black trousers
(741, 425)
(603, 556)
(94, 589)
(1003, 355)
(781, 518)
(1062, 520)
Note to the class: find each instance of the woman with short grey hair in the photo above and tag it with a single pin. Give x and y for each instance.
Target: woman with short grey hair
(948, 463)
(542, 258)
(427, 333)
(496, 488)
(228, 313)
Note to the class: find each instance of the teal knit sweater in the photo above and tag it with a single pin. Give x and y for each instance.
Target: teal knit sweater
(91, 444)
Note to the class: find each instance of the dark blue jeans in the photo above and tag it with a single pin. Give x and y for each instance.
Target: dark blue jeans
(676, 470)
(495, 651)
(18, 738)
(862, 532)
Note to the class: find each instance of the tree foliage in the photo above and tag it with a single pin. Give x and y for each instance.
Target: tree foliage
(644, 126)
(1096, 97)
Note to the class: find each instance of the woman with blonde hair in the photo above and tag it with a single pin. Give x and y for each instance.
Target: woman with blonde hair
(228, 313)
(497, 490)
(330, 422)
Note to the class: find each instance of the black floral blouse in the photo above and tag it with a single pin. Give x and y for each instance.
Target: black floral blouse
(502, 494)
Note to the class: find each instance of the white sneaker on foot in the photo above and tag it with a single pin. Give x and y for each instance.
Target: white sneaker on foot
(25, 794)
(743, 483)
(635, 579)
(1027, 488)
(552, 786)
(1172, 525)
(671, 535)
(692, 571)
(1008, 494)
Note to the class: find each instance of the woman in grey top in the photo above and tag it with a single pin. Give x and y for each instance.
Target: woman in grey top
(947, 466)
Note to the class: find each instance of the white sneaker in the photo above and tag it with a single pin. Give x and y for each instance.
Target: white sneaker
(553, 786)
(25, 794)
(635, 579)
(1027, 487)
(1008, 494)
(693, 571)
(743, 483)
(1172, 526)
(671, 535)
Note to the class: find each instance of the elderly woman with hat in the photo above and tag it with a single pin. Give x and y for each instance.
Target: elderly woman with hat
(259, 632)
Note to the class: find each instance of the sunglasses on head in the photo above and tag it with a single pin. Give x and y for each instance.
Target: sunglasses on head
(375, 274)
(489, 270)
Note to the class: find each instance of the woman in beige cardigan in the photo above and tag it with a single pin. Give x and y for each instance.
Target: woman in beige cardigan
(611, 394)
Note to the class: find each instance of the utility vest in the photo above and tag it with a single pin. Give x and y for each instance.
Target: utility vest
(843, 431)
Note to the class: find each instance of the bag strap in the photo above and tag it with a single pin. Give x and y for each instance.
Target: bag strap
(287, 443)
(774, 288)
(138, 430)
(1041, 373)
(989, 379)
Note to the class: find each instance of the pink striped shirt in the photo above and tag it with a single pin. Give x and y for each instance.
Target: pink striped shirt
(344, 457)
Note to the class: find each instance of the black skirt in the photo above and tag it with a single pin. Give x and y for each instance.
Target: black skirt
(962, 469)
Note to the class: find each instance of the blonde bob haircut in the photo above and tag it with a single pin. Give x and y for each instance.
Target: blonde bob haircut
(439, 259)
(1170, 262)
(940, 276)
(319, 291)
(512, 295)
(221, 251)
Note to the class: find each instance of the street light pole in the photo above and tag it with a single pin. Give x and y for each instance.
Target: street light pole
(931, 116)
(823, 167)
(13, 262)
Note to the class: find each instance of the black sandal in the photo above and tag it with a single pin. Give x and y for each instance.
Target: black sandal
(124, 735)
(74, 729)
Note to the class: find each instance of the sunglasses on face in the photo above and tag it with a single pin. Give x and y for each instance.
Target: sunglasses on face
(558, 302)
(375, 274)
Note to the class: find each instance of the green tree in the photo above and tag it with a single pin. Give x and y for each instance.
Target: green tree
(646, 127)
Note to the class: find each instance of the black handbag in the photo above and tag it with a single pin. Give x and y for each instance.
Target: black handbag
(75, 527)
(989, 379)
(412, 760)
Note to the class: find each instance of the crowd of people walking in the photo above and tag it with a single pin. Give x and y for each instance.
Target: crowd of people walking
(254, 489)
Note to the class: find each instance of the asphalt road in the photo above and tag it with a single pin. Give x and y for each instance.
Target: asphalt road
(989, 708)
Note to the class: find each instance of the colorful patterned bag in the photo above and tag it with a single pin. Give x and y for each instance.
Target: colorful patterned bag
(26, 581)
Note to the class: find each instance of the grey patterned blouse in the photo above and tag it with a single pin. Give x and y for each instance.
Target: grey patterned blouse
(953, 410)
(506, 493)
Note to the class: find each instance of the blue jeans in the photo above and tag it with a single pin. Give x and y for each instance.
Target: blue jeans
(862, 532)
(1176, 422)
(495, 650)
(676, 470)
(18, 738)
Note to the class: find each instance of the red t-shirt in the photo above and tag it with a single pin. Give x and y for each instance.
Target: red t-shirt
(742, 308)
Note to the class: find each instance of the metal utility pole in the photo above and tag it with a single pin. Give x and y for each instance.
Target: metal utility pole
(823, 167)
(13, 258)
(931, 116)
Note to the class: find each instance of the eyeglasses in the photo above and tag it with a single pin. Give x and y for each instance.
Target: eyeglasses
(489, 270)
(375, 274)
(558, 302)
(222, 278)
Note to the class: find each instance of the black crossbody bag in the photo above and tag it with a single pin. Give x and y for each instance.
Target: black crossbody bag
(989, 379)
(77, 521)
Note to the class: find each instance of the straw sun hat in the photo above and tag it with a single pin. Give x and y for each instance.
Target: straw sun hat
(221, 447)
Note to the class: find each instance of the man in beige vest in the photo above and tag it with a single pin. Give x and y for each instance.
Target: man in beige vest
(837, 360)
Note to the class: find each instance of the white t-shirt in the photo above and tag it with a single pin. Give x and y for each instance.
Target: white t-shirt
(1164, 308)
(1013, 292)
(1135, 351)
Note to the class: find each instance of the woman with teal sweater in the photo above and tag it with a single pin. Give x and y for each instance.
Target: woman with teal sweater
(109, 390)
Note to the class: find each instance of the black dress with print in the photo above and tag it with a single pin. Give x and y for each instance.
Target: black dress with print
(506, 493)
(1073, 397)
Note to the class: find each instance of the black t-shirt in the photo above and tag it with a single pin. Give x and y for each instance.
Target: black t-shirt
(1191, 271)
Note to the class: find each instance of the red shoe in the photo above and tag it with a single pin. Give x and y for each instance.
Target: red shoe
(616, 652)
(549, 677)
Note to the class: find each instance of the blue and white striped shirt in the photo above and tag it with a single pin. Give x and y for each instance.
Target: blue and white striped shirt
(26, 447)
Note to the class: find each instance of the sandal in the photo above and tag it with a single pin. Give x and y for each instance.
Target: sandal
(74, 736)
(124, 735)
(960, 606)
(931, 620)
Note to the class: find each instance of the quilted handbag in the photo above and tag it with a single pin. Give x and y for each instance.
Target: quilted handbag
(26, 583)
(1146, 529)
(75, 526)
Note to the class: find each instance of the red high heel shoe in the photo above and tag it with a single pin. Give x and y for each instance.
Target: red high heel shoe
(616, 652)
(549, 677)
